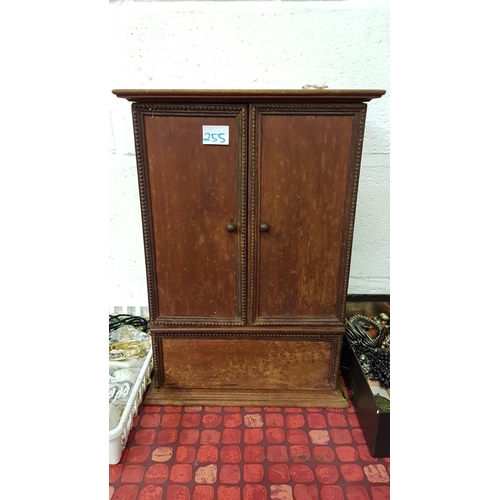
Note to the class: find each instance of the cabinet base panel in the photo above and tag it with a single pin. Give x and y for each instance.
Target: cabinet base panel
(334, 398)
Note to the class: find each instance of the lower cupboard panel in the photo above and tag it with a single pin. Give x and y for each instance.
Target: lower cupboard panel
(243, 364)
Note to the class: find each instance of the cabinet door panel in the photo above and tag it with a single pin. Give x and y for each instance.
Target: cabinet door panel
(195, 266)
(305, 181)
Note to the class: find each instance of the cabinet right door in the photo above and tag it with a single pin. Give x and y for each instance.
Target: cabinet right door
(304, 169)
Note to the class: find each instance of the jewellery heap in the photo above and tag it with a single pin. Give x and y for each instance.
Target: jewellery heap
(371, 343)
(129, 344)
(128, 337)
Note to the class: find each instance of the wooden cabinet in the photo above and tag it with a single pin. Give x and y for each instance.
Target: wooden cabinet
(247, 240)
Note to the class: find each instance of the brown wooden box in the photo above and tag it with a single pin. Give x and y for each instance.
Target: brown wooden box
(374, 423)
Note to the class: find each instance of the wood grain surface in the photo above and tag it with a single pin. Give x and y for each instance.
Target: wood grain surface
(303, 171)
(193, 190)
(247, 364)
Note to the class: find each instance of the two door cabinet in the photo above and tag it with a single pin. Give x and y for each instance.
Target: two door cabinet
(248, 201)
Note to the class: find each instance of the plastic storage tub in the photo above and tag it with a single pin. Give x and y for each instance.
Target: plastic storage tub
(119, 435)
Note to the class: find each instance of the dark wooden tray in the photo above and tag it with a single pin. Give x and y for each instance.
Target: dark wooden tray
(374, 423)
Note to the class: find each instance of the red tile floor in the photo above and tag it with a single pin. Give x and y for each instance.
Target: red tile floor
(247, 453)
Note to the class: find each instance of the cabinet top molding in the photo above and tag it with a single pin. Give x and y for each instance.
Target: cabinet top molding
(255, 96)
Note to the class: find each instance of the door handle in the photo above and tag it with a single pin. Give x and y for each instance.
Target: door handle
(231, 227)
(264, 227)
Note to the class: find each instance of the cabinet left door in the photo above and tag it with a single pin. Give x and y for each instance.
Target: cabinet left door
(193, 202)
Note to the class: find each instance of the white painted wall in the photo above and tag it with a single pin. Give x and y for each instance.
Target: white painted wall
(249, 45)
